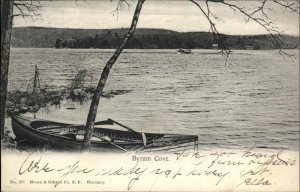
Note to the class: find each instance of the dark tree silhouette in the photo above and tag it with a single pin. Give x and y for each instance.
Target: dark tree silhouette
(6, 29)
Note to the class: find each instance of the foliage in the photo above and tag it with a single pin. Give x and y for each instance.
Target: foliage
(192, 40)
(79, 79)
(22, 102)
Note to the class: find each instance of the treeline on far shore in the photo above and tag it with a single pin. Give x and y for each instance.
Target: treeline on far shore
(191, 40)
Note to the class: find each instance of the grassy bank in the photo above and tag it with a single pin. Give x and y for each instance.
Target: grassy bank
(20, 102)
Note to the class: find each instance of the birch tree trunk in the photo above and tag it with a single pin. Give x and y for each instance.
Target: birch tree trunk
(6, 29)
(96, 97)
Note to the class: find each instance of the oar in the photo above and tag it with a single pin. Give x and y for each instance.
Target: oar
(105, 122)
(121, 125)
(106, 140)
(143, 134)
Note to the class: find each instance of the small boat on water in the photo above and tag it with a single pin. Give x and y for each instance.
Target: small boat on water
(67, 136)
(186, 51)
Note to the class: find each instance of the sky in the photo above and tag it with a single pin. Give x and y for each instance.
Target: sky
(177, 15)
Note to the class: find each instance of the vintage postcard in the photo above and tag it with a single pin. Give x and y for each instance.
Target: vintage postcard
(150, 95)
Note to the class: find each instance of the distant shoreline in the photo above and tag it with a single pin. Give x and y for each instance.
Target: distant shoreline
(132, 49)
(107, 29)
(42, 37)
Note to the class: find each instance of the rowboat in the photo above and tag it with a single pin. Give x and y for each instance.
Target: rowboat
(59, 135)
(186, 51)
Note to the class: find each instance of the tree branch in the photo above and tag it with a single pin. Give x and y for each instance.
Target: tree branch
(213, 26)
(27, 8)
(269, 26)
(293, 7)
(120, 6)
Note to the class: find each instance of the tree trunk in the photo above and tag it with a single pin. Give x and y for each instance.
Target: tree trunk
(96, 97)
(6, 29)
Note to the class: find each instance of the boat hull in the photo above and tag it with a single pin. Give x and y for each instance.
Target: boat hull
(25, 132)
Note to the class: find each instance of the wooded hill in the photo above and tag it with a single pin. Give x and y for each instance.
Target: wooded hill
(144, 39)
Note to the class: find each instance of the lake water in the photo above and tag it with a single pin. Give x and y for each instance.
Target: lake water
(254, 99)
